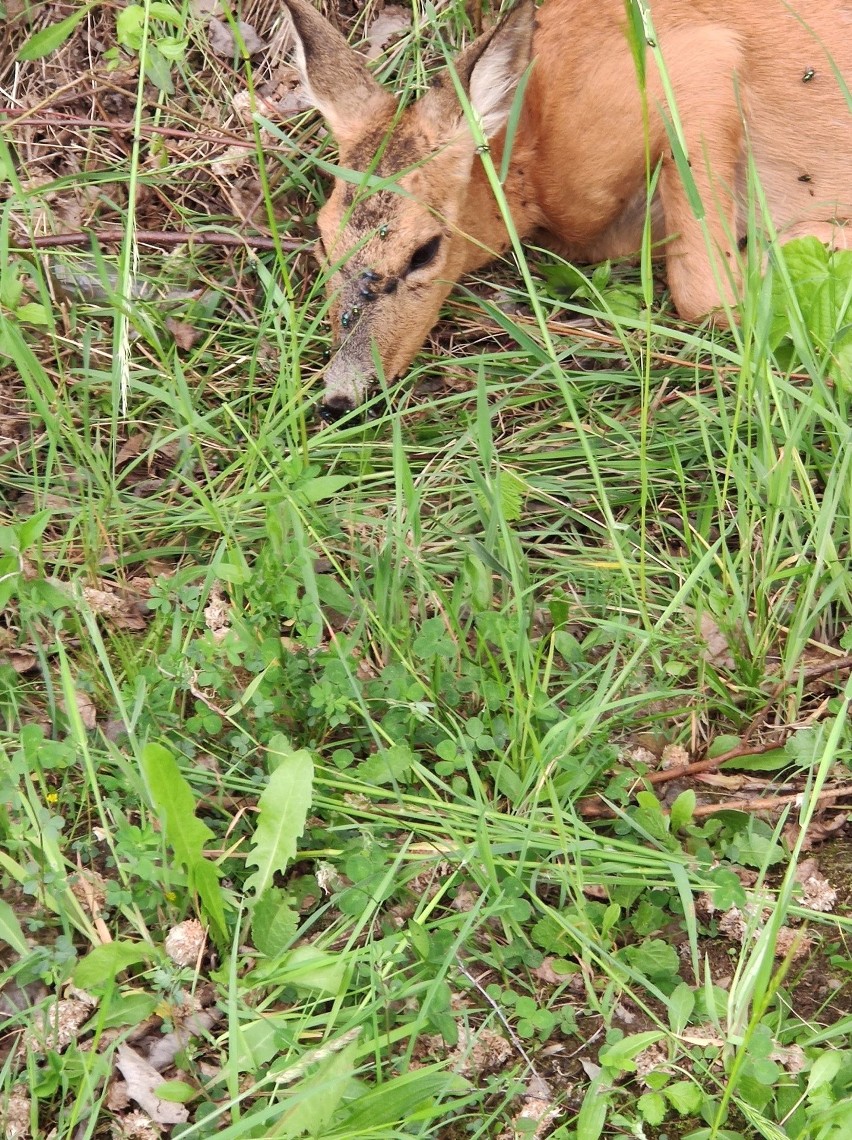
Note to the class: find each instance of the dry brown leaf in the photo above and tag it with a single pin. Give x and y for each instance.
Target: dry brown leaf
(717, 651)
(795, 943)
(596, 891)
(734, 924)
(817, 892)
(479, 1053)
(117, 1099)
(202, 8)
(819, 830)
(723, 780)
(539, 1109)
(703, 1037)
(88, 887)
(132, 447)
(119, 607)
(223, 42)
(466, 898)
(293, 102)
(546, 973)
(165, 1048)
(792, 1057)
(16, 9)
(135, 1126)
(21, 660)
(217, 612)
(86, 709)
(641, 755)
(185, 334)
(389, 23)
(651, 1060)
(142, 1080)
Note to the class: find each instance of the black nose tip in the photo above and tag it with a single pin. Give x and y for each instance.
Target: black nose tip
(335, 409)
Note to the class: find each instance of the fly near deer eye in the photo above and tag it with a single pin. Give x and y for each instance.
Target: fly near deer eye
(424, 254)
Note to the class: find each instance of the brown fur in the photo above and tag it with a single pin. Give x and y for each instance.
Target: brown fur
(749, 78)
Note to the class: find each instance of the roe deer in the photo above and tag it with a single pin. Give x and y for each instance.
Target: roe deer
(762, 78)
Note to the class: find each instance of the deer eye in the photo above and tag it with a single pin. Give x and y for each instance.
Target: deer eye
(424, 255)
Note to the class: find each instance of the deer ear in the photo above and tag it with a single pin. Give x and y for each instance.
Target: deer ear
(489, 71)
(335, 78)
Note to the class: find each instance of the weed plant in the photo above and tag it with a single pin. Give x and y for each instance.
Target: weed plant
(385, 703)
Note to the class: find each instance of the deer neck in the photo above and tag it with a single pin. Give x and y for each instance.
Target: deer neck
(482, 217)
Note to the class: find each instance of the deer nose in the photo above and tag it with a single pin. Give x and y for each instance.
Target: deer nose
(335, 407)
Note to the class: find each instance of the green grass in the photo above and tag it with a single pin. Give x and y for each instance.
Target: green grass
(383, 703)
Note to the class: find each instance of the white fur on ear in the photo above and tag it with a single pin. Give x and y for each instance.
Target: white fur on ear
(297, 58)
(336, 80)
(494, 81)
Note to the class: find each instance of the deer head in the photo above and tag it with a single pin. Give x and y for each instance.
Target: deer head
(400, 228)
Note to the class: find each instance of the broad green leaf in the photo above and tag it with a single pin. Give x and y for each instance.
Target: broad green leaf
(511, 491)
(388, 766)
(825, 1068)
(174, 803)
(331, 593)
(101, 966)
(754, 849)
(11, 290)
(30, 531)
(506, 782)
(419, 938)
(762, 762)
(322, 487)
(622, 1055)
(204, 878)
(185, 833)
(42, 43)
(592, 1115)
(565, 279)
(717, 1134)
(33, 313)
(317, 1096)
(313, 969)
(821, 281)
(682, 809)
(175, 1092)
(681, 1004)
(158, 70)
(273, 922)
(480, 583)
(723, 744)
(400, 1098)
(172, 48)
(235, 573)
(127, 1007)
(654, 957)
(10, 930)
(684, 1096)
(652, 1108)
(166, 12)
(282, 811)
(257, 1043)
(129, 24)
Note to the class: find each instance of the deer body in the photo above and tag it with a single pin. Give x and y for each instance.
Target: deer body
(751, 79)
